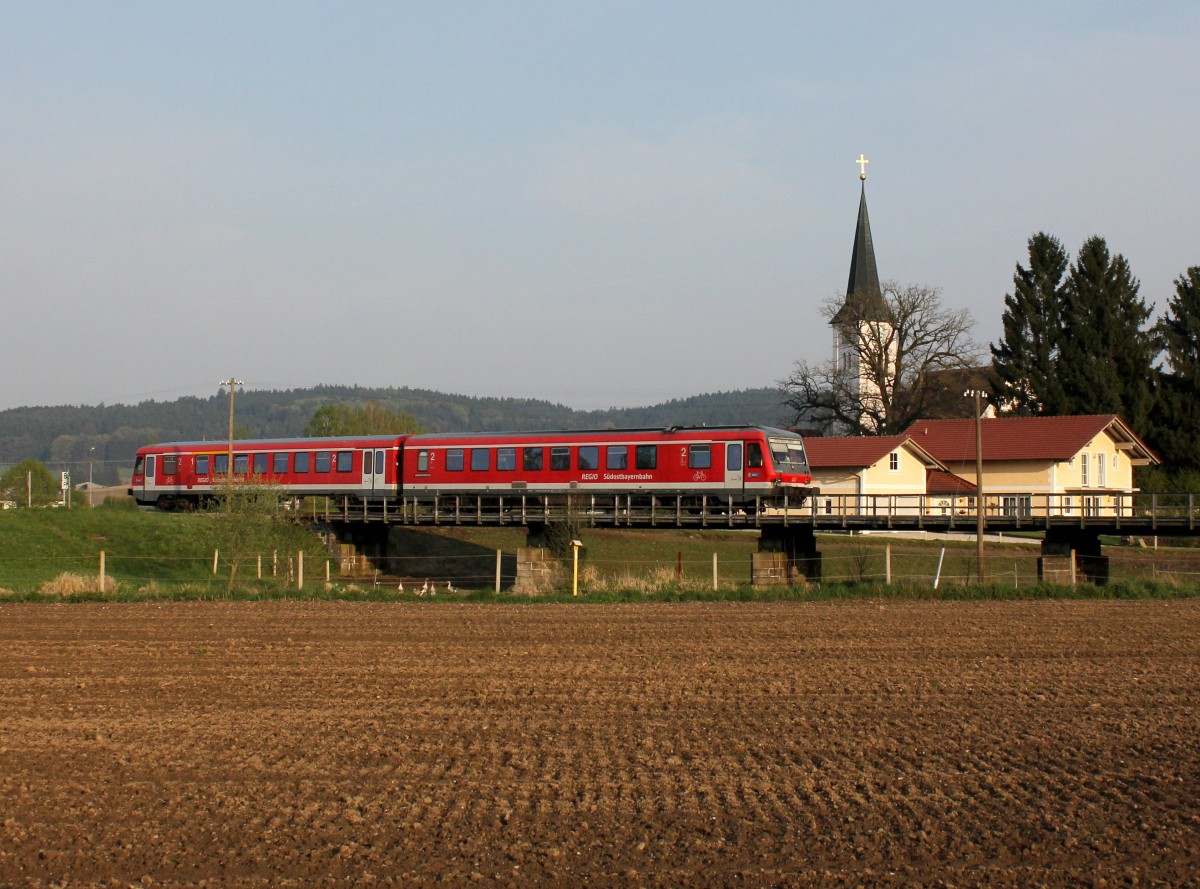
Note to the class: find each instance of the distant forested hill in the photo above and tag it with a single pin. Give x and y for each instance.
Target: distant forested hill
(106, 436)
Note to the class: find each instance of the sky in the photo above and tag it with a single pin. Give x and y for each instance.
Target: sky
(595, 203)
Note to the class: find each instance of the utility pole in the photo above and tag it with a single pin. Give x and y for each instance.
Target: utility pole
(232, 383)
(979, 508)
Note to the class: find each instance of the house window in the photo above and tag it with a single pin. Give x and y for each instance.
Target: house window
(1101, 466)
(1083, 470)
(1067, 508)
(1018, 506)
(1114, 461)
(894, 462)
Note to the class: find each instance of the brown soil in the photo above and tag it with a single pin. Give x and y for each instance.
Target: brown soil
(865, 743)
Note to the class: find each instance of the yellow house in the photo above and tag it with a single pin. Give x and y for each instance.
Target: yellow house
(1043, 465)
(886, 474)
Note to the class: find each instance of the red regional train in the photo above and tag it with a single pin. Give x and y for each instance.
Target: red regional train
(744, 462)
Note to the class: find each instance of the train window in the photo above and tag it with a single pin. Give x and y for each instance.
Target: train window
(300, 463)
(754, 455)
(280, 463)
(616, 457)
(454, 459)
(532, 459)
(379, 463)
(323, 461)
(481, 459)
(220, 464)
(589, 457)
(345, 461)
(647, 456)
(733, 456)
(241, 462)
(261, 462)
(423, 462)
(150, 466)
(170, 464)
(788, 455)
(202, 463)
(699, 456)
(506, 459)
(560, 458)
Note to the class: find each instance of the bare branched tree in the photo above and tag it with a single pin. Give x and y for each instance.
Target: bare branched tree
(900, 366)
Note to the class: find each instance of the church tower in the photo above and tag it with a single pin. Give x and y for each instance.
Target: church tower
(864, 350)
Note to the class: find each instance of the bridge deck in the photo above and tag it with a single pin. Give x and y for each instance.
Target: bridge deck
(1110, 513)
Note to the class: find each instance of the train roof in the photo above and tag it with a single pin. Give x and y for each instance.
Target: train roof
(217, 444)
(223, 444)
(630, 430)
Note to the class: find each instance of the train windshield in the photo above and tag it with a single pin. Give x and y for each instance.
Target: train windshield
(788, 455)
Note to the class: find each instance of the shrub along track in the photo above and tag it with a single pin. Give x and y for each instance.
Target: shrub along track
(876, 742)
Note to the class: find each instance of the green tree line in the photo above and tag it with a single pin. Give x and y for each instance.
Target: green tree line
(104, 438)
(1078, 338)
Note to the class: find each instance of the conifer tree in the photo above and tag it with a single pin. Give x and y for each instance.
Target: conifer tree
(1176, 427)
(1026, 380)
(1106, 351)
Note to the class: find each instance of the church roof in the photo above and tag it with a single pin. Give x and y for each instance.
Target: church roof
(864, 296)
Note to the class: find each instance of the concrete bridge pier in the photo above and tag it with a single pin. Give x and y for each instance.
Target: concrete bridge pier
(1064, 544)
(787, 554)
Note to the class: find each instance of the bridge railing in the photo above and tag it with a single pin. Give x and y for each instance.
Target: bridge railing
(1016, 509)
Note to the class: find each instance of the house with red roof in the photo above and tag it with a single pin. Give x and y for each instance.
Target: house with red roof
(1042, 465)
(884, 473)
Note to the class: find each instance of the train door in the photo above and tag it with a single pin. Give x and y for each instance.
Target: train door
(148, 479)
(374, 479)
(734, 475)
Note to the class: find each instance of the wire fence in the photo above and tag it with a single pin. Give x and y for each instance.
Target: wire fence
(843, 562)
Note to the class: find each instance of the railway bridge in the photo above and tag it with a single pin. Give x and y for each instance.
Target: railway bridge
(1071, 526)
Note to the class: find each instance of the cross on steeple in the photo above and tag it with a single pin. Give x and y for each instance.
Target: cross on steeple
(862, 166)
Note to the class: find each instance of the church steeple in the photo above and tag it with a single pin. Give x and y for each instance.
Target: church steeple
(864, 344)
(864, 296)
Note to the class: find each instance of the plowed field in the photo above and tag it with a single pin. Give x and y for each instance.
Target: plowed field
(865, 743)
